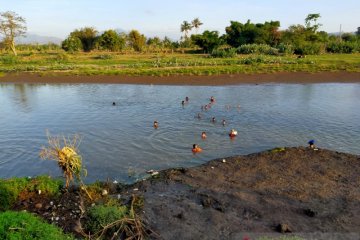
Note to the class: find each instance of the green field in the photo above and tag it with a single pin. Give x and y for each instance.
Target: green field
(105, 63)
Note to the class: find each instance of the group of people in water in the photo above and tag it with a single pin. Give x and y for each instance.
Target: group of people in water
(196, 148)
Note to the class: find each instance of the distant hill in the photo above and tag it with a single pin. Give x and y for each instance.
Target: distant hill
(31, 38)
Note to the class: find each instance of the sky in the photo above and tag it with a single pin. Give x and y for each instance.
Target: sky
(161, 18)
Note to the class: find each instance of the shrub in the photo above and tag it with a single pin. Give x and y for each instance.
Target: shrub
(257, 49)
(9, 59)
(23, 225)
(224, 53)
(100, 216)
(309, 48)
(343, 47)
(285, 48)
(72, 44)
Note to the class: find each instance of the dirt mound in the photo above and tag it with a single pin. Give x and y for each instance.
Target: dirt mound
(296, 191)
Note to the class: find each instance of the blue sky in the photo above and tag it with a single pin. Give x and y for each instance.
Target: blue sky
(160, 17)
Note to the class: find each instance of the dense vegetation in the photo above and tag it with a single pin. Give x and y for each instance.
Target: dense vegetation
(244, 48)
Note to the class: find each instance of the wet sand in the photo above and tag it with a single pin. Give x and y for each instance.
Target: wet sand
(213, 80)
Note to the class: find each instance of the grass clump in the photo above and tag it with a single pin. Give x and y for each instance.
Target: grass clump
(23, 225)
(278, 149)
(115, 221)
(100, 216)
(10, 189)
(65, 152)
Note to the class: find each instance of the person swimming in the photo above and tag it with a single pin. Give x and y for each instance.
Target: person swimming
(223, 122)
(212, 99)
(114, 103)
(213, 119)
(199, 116)
(183, 102)
(233, 133)
(187, 99)
(156, 124)
(196, 148)
(203, 135)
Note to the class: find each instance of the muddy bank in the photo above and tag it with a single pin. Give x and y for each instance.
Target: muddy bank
(299, 191)
(214, 80)
(283, 192)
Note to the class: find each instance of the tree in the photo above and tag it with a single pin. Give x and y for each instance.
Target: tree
(185, 28)
(11, 26)
(111, 41)
(136, 40)
(238, 33)
(72, 44)
(87, 37)
(208, 41)
(358, 31)
(312, 17)
(196, 24)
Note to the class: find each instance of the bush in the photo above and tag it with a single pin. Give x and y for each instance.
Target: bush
(257, 49)
(23, 225)
(100, 216)
(224, 53)
(72, 44)
(343, 47)
(11, 188)
(285, 48)
(9, 59)
(309, 48)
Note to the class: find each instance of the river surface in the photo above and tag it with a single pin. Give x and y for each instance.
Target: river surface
(120, 143)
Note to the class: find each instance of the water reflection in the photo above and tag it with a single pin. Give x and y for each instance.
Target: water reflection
(122, 137)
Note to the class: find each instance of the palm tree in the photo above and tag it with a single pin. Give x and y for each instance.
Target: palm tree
(185, 28)
(196, 24)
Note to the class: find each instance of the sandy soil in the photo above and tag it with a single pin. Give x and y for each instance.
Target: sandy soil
(285, 77)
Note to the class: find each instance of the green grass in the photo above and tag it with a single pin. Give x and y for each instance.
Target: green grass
(11, 188)
(105, 63)
(100, 216)
(23, 225)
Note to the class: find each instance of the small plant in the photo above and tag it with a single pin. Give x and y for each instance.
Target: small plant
(100, 216)
(113, 221)
(224, 53)
(23, 225)
(65, 152)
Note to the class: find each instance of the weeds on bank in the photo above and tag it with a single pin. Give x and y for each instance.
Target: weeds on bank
(11, 189)
(114, 221)
(23, 225)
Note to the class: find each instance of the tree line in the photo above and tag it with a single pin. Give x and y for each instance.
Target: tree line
(247, 37)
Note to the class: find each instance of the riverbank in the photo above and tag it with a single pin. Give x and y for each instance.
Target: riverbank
(202, 80)
(285, 191)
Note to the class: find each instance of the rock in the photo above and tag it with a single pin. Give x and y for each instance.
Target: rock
(283, 228)
(51, 203)
(309, 212)
(104, 192)
(154, 173)
(38, 205)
